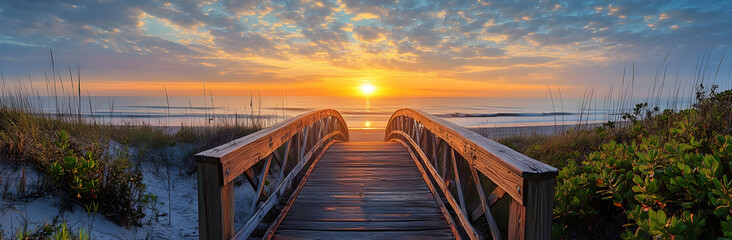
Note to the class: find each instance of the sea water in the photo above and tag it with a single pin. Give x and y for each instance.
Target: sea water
(359, 112)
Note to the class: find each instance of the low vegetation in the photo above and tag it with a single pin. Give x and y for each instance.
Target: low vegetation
(664, 175)
(57, 230)
(97, 166)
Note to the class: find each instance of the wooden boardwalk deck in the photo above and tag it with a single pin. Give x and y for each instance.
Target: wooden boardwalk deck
(430, 179)
(365, 190)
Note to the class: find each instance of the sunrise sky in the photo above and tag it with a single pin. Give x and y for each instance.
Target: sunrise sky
(333, 48)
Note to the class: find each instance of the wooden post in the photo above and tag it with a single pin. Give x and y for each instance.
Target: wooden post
(539, 201)
(215, 203)
(534, 219)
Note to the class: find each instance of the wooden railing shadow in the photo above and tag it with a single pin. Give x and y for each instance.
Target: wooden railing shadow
(290, 144)
(455, 160)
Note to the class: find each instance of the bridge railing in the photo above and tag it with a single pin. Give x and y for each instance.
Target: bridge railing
(289, 145)
(458, 162)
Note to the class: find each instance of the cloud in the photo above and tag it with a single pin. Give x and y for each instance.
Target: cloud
(467, 40)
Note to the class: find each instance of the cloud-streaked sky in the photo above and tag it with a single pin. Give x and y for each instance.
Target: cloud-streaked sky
(404, 47)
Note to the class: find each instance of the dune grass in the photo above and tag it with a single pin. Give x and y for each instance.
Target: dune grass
(28, 139)
(87, 163)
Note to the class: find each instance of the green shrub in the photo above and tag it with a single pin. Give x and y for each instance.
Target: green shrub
(666, 176)
(668, 190)
(55, 230)
(112, 184)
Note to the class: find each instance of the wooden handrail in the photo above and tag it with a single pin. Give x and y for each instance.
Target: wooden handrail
(302, 137)
(530, 183)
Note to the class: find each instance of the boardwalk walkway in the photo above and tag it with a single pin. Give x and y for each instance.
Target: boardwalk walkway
(365, 190)
(428, 179)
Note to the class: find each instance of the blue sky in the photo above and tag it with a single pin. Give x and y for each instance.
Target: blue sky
(424, 48)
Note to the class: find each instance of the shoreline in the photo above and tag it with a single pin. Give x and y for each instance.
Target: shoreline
(494, 133)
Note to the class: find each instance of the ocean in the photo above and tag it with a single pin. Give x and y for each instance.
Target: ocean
(359, 112)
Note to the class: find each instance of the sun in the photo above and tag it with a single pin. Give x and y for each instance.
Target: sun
(367, 89)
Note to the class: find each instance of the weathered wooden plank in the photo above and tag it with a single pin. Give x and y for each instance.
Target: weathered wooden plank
(379, 164)
(358, 203)
(364, 226)
(311, 234)
(373, 194)
(392, 197)
(393, 160)
(370, 154)
(366, 178)
(316, 216)
(367, 166)
(339, 210)
(352, 181)
(364, 188)
(368, 151)
(348, 171)
(369, 146)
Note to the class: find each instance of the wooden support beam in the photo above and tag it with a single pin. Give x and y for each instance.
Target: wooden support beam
(284, 162)
(304, 144)
(215, 203)
(253, 180)
(495, 233)
(443, 166)
(262, 181)
(496, 196)
(458, 184)
(516, 221)
(435, 143)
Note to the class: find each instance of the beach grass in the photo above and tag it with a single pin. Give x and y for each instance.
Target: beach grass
(86, 162)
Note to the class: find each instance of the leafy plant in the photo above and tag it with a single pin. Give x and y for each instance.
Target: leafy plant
(55, 230)
(110, 185)
(669, 177)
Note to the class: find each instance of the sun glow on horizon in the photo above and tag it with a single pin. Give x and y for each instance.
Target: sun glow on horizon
(368, 89)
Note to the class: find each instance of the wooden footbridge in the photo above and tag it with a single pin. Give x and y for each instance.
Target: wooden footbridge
(429, 179)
